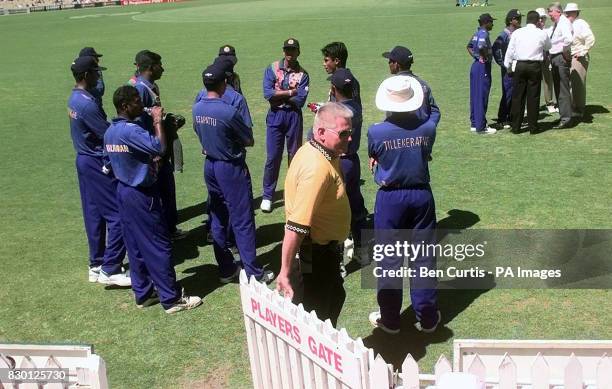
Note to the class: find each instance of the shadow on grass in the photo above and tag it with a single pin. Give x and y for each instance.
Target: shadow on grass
(204, 279)
(271, 260)
(270, 233)
(395, 348)
(187, 248)
(191, 212)
(591, 110)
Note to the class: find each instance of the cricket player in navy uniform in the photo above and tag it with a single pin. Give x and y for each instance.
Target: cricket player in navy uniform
(335, 55)
(341, 91)
(479, 48)
(399, 150)
(233, 79)
(285, 86)
(98, 90)
(134, 156)
(236, 100)
(513, 22)
(97, 187)
(150, 69)
(224, 136)
(400, 63)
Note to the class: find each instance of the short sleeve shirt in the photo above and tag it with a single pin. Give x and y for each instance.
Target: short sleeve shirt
(315, 196)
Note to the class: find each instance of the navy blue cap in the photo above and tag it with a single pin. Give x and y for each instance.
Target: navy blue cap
(89, 51)
(85, 64)
(341, 78)
(486, 18)
(399, 54)
(291, 43)
(227, 62)
(227, 50)
(513, 14)
(146, 58)
(214, 74)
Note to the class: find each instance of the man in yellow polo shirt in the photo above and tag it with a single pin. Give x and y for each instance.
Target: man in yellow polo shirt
(318, 215)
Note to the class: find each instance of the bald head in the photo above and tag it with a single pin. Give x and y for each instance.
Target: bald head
(330, 127)
(327, 114)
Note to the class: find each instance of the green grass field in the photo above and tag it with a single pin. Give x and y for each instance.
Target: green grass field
(558, 179)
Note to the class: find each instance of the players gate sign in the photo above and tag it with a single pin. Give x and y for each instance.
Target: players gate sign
(300, 331)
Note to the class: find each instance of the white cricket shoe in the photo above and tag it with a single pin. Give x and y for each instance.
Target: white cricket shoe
(185, 303)
(94, 273)
(266, 206)
(473, 129)
(374, 319)
(119, 279)
(267, 277)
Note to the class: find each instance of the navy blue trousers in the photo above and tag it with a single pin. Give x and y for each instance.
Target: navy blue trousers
(283, 126)
(167, 191)
(351, 169)
(505, 103)
(148, 244)
(100, 212)
(480, 86)
(407, 209)
(230, 197)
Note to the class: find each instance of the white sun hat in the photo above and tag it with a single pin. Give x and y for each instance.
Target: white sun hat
(399, 94)
(542, 12)
(571, 7)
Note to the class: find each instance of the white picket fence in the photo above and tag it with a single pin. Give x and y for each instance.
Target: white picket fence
(86, 370)
(291, 348)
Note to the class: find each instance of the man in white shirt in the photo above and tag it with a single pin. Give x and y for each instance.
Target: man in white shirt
(581, 45)
(526, 49)
(560, 59)
(547, 81)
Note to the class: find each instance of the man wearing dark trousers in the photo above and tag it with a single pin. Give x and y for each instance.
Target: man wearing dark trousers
(134, 156)
(224, 135)
(97, 185)
(318, 214)
(525, 55)
(560, 59)
(513, 22)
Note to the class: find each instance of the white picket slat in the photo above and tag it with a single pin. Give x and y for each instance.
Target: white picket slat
(604, 372)
(284, 363)
(297, 378)
(572, 378)
(308, 372)
(410, 373)
(53, 363)
(262, 354)
(380, 376)
(540, 373)
(5, 363)
(320, 377)
(507, 373)
(273, 356)
(28, 363)
(442, 366)
(478, 368)
(250, 325)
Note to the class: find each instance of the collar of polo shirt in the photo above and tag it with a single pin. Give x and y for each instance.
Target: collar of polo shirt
(321, 149)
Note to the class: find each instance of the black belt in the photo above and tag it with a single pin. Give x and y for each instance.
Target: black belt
(530, 61)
